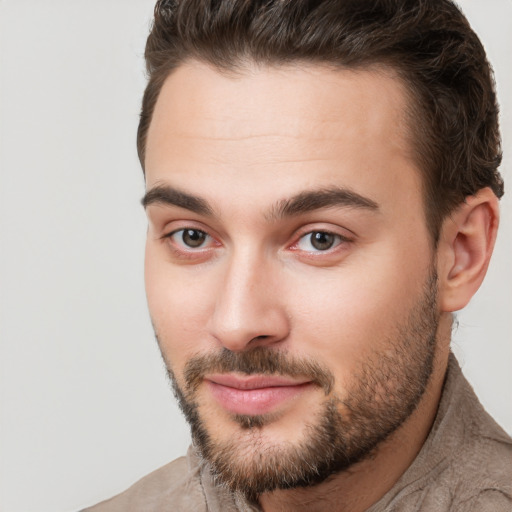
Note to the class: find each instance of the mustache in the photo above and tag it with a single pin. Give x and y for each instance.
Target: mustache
(259, 360)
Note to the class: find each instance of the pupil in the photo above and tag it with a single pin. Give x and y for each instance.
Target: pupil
(322, 241)
(193, 237)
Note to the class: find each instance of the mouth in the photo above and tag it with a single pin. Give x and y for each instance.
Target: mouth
(254, 394)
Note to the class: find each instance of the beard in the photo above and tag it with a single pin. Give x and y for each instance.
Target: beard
(387, 387)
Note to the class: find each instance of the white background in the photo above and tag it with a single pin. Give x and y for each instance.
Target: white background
(85, 406)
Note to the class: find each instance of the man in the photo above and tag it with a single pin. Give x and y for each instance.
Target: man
(322, 194)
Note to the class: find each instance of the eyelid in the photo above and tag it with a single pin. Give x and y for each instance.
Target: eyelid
(183, 245)
(337, 240)
(208, 237)
(170, 228)
(181, 250)
(343, 233)
(180, 253)
(168, 234)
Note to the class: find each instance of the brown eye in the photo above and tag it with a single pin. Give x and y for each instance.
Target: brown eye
(322, 241)
(319, 241)
(193, 237)
(189, 238)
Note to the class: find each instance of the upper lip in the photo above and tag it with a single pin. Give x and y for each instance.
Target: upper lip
(254, 381)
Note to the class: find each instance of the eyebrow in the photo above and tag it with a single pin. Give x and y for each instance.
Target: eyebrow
(301, 203)
(312, 200)
(166, 195)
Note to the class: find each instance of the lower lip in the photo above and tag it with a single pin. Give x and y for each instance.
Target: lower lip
(254, 401)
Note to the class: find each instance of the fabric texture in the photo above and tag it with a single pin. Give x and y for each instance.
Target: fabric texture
(465, 465)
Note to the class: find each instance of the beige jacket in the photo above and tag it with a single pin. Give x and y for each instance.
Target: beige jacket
(465, 465)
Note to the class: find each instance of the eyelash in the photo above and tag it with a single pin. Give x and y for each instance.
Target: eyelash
(190, 253)
(337, 241)
(185, 252)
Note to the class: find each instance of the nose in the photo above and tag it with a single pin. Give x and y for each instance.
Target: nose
(248, 308)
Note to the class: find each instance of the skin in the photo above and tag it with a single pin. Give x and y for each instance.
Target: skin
(243, 144)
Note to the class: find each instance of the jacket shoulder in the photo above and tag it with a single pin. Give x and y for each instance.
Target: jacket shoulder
(176, 484)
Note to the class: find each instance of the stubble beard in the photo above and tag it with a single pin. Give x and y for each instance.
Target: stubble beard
(389, 386)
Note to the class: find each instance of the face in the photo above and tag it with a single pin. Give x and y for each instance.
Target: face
(289, 271)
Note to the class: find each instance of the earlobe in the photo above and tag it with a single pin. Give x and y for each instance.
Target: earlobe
(465, 247)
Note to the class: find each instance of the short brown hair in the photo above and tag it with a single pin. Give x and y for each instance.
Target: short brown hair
(454, 116)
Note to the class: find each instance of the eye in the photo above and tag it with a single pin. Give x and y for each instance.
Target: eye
(318, 241)
(189, 238)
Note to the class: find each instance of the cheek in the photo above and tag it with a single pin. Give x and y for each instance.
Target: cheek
(349, 315)
(338, 326)
(179, 305)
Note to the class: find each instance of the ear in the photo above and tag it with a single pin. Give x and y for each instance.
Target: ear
(465, 246)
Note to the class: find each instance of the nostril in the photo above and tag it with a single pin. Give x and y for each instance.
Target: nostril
(262, 337)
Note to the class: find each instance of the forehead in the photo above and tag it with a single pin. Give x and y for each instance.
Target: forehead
(277, 130)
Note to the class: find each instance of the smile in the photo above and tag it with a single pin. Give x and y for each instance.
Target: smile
(253, 395)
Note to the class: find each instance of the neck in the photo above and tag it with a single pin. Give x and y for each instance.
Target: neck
(362, 485)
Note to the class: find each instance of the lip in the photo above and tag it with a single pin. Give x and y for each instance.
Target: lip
(254, 394)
